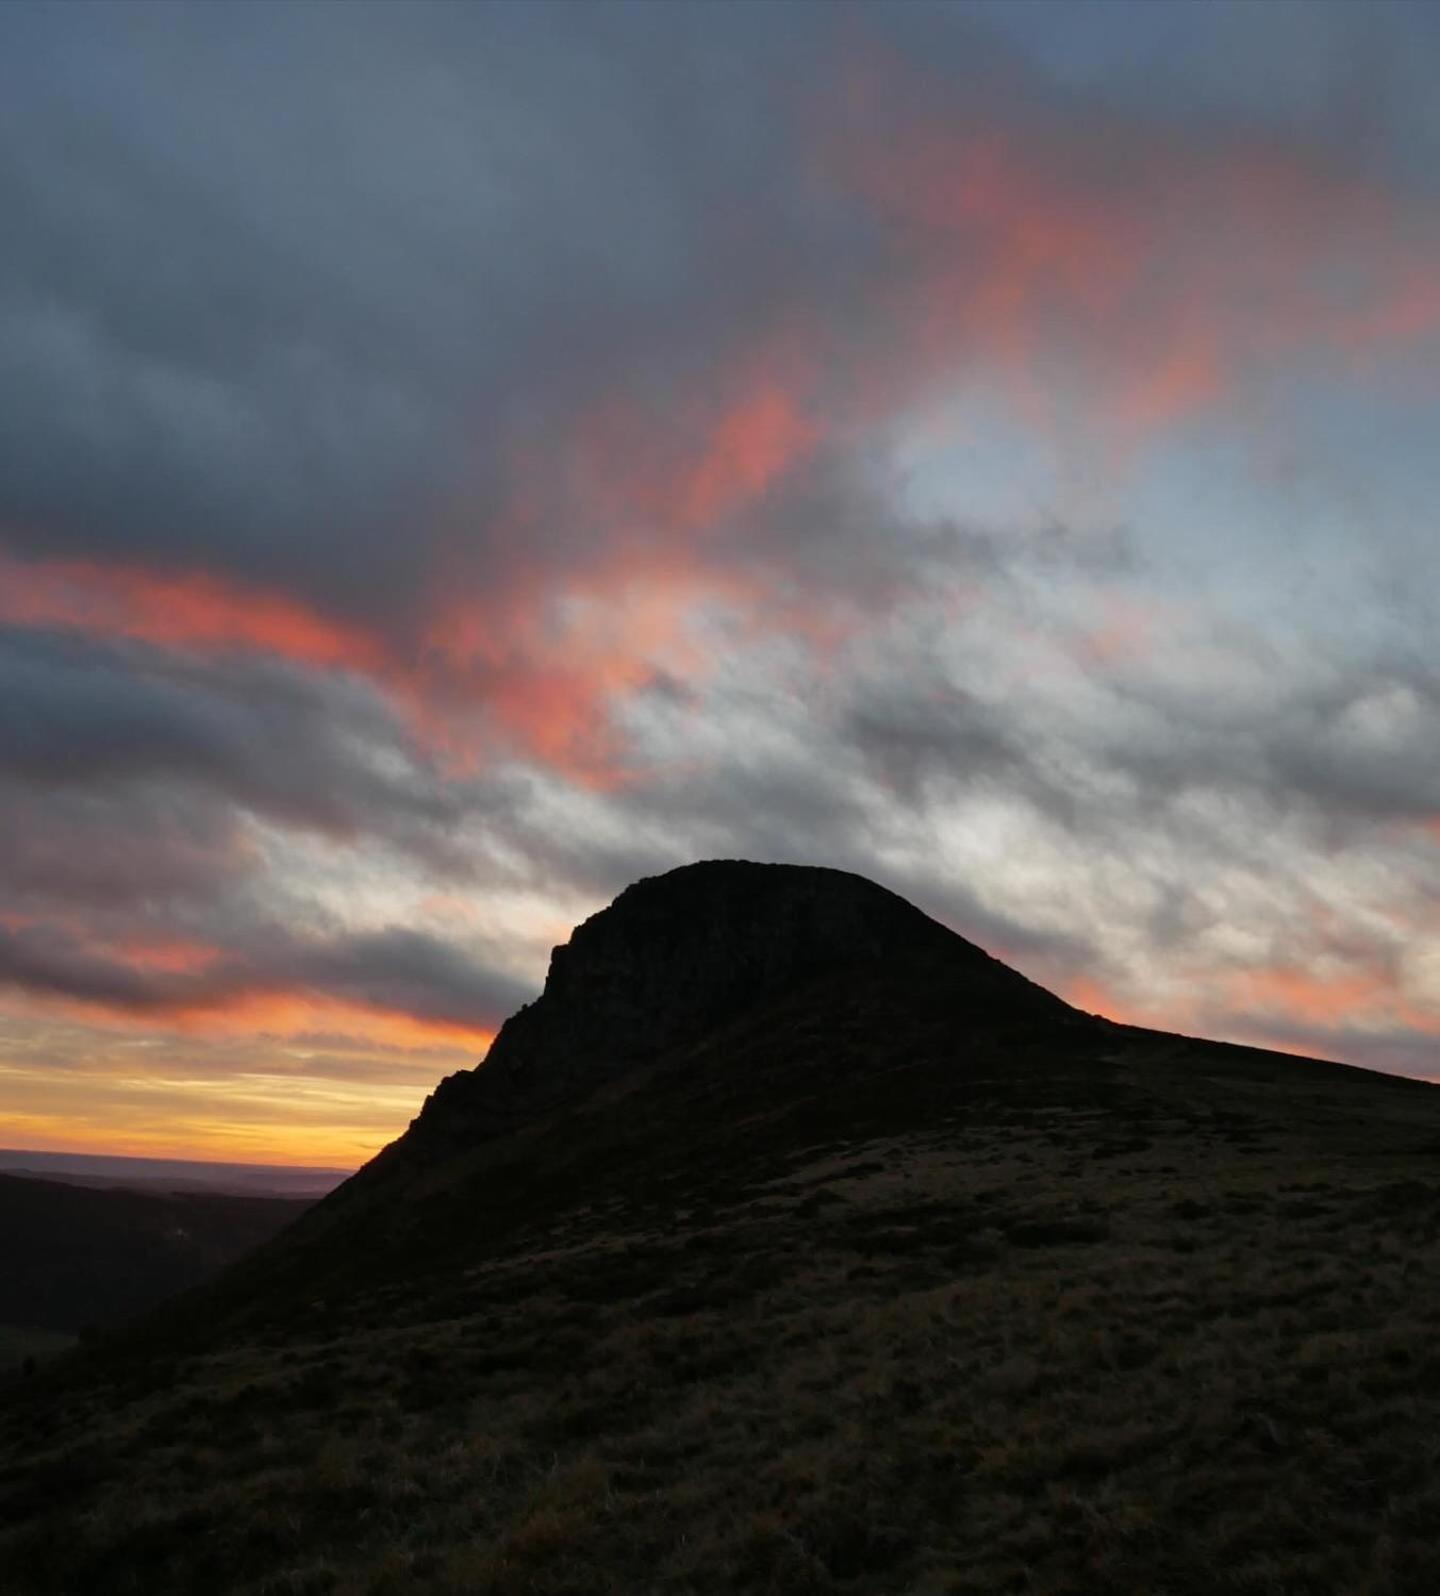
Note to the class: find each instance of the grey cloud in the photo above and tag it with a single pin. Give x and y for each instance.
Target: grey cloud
(117, 851)
(1351, 745)
(308, 749)
(1293, 770)
(910, 737)
(398, 971)
(284, 285)
(51, 962)
(1400, 1050)
(408, 972)
(462, 219)
(283, 302)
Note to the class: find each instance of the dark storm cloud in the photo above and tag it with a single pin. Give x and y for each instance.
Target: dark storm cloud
(283, 294)
(282, 282)
(284, 286)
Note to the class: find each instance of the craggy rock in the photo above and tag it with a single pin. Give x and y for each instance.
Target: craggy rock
(676, 955)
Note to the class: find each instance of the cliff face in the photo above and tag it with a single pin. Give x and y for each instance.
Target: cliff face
(676, 955)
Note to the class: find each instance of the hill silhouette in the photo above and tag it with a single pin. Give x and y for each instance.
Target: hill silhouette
(676, 955)
(656, 1024)
(788, 1242)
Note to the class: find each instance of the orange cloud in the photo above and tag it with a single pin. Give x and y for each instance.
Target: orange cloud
(1089, 994)
(188, 610)
(1126, 631)
(1292, 993)
(567, 624)
(1164, 277)
(1161, 271)
(1158, 270)
(543, 664)
(685, 467)
(559, 638)
(207, 999)
(295, 1014)
(544, 685)
(272, 1013)
(1153, 270)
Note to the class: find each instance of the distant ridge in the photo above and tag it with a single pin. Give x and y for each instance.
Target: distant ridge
(171, 1174)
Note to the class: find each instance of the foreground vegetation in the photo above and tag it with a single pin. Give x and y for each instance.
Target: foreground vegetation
(1144, 1315)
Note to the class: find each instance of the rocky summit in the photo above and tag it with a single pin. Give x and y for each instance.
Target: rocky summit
(788, 1243)
(676, 955)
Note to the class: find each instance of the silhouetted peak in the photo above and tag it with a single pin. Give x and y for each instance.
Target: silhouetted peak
(676, 955)
(696, 940)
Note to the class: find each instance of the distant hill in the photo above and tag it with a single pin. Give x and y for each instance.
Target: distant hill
(789, 1243)
(77, 1256)
(172, 1174)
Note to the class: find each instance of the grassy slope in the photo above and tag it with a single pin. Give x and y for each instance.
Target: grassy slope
(850, 1301)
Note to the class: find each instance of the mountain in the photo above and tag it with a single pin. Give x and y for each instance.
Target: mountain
(676, 956)
(656, 1027)
(788, 1242)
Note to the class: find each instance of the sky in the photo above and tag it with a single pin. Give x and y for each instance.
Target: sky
(458, 459)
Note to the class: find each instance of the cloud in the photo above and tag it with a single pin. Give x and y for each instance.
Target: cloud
(1160, 263)
(304, 749)
(1352, 743)
(340, 425)
(455, 460)
(397, 971)
(117, 851)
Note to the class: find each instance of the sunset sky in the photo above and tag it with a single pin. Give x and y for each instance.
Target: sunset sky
(457, 459)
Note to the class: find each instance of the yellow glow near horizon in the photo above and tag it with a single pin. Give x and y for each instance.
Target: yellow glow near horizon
(333, 1100)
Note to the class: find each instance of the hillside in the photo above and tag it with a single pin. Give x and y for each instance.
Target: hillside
(790, 1243)
(78, 1256)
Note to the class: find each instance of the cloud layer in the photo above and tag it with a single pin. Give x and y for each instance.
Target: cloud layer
(455, 460)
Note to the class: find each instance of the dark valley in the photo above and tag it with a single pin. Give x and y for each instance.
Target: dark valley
(79, 1258)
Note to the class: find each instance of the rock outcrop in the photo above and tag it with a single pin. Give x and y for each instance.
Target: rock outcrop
(676, 955)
